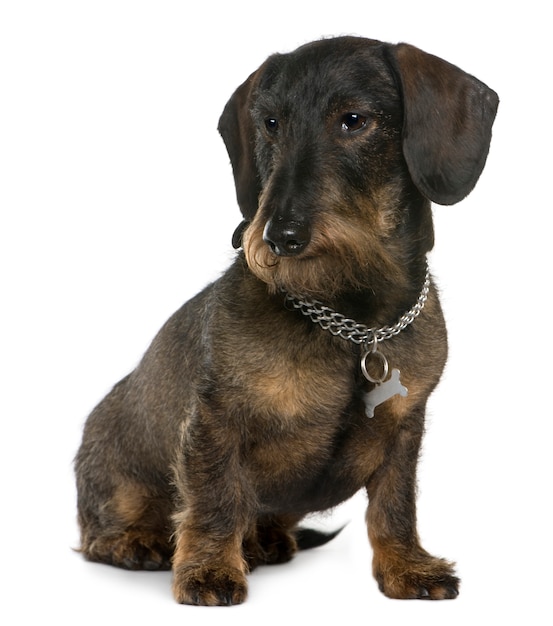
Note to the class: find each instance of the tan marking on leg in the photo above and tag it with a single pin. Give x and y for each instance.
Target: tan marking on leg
(208, 571)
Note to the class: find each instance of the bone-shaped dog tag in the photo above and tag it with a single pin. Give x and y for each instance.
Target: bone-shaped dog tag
(382, 392)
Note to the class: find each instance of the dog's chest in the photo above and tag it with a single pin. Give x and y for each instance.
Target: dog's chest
(314, 465)
(293, 390)
(304, 418)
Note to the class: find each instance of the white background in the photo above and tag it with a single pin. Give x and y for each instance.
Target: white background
(117, 204)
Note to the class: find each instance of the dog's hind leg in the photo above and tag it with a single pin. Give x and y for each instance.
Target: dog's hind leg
(130, 530)
(271, 540)
(124, 503)
(276, 539)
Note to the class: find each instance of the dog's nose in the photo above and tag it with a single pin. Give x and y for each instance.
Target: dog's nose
(286, 238)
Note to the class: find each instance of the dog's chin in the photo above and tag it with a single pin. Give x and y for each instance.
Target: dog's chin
(341, 258)
(310, 274)
(278, 273)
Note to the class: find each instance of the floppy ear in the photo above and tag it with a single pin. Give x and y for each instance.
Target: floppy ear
(447, 128)
(238, 133)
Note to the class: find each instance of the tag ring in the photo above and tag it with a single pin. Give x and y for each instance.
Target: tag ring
(383, 364)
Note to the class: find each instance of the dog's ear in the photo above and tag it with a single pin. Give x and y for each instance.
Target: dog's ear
(238, 133)
(447, 128)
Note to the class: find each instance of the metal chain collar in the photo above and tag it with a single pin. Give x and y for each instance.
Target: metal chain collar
(341, 326)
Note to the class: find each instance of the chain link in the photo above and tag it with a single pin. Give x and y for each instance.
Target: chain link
(341, 326)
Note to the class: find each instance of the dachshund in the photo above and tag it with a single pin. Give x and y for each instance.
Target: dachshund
(252, 407)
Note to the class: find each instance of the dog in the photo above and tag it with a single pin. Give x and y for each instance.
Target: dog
(251, 407)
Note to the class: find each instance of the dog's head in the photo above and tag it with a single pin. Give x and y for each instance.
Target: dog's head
(337, 149)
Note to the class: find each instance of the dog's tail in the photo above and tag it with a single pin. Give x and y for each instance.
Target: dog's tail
(308, 538)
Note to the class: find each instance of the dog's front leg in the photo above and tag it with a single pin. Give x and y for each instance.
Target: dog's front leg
(401, 566)
(208, 564)
(208, 570)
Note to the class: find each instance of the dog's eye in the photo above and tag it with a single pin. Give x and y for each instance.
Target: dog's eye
(353, 121)
(271, 124)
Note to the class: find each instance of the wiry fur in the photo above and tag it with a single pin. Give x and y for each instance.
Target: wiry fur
(244, 416)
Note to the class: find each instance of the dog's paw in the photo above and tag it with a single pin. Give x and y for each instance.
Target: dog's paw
(426, 578)
(270, 546)
(131, 550)
(209, 586)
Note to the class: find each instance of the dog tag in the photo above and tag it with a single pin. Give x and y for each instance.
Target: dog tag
(383, 391)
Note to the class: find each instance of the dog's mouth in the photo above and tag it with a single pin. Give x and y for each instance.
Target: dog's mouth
(307, 266)
(330, 257)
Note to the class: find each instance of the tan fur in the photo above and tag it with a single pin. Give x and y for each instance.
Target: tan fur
(355, 244)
